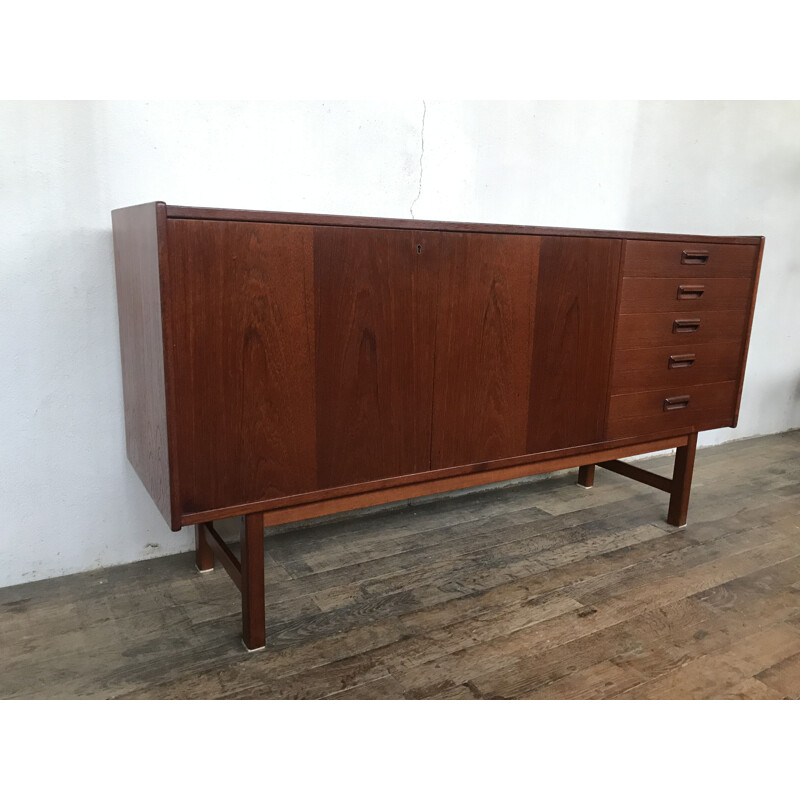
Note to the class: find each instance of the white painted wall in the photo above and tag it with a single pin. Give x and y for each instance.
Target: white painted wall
(69, 501)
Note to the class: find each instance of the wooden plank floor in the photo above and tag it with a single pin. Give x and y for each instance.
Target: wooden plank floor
(540, 590)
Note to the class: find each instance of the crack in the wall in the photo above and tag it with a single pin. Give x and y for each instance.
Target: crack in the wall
(421, 154)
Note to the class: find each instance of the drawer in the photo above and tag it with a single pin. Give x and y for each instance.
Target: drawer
(649, 259)
(679, 330)
(671, 367)
(709, 405)
(685, 294)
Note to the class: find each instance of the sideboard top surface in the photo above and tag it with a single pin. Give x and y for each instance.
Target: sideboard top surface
(294, 218)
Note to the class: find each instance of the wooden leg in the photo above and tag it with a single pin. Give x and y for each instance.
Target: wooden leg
(682, 482)
(586, 476)
(204, 555)
(252, 562)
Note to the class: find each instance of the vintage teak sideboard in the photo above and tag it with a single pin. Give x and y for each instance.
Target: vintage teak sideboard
(282, 366)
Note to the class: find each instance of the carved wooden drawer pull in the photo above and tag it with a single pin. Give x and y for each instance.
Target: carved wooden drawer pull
(694, 257)
(679, 362)
(690, 292)
(685, 325)
(674, 403)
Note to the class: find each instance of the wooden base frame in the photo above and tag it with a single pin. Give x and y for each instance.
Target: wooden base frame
(678, 487)
(247, 571)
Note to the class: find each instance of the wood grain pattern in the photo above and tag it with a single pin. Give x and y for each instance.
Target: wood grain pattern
(639, 404)
(203, 554)
(472, 597)
(136, 257)
(638, 474)
(242, 299)
(235, 448)
(484, 334)
(748, 327)
(661, 425)
(375, 323)
(634, 445)
(649, 367)
(586, 476)
(640, 295)
(659, 259)
(222, 552)
(577, 291)
(709, 404)
(252, 588)
(309, 357)
(656, 329)
(681, 484)
(431, 486)
(294, 218)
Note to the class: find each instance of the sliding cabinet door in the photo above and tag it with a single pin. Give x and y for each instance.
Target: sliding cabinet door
(239, 311)
(484, 333)
(575, 309)
(375, 324)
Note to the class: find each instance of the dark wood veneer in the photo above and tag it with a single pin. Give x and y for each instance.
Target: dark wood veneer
(468, 474)
(295, 218)
(728, 258)
(699, 294)
(243, 318)
(572, 342)
(719, 396)
(680, 330)
(649, 367)
(375, 294)
(483, 346)
(748, 327)
(285, 366)
(138, 233)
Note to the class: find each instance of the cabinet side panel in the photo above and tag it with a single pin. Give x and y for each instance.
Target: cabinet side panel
(483, 347)
(575, 310)
(243, 323)
(746, 345)
(136, 251)
(376, 317)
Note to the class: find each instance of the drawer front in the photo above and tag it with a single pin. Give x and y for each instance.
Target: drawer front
(665, 367)
(710, 405)
(685, 294)
(648, 259)
(679, 330)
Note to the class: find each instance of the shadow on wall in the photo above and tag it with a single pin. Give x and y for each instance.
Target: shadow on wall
(769, 405)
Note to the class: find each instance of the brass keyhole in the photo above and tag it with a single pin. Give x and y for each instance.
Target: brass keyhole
(419, 249)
